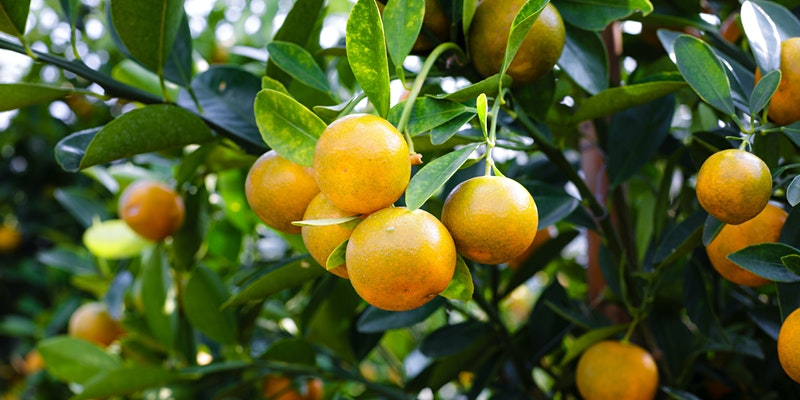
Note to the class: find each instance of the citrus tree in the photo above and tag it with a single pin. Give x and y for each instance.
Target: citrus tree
(403, 199)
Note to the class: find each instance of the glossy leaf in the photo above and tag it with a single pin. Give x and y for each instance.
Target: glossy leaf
(787, 23)
(75, 360)
(287, 126)
(20, 95)
(681, 239)
(14, 16)
(451, 339)
(134, 74)
(487, 86)
(202, 297)
(337, 257)
(431, 177)
(179, 67)
(444, 132)
(762, 36)
(616, 99)
(328, 319)
(158, 297)
(589, 338)
(793, 191)
(792, 263)
(366, 52)
(126, 380)
(461, 286)
(522, 23)
(585, 59)
(298, 27)
(144, 130)
(402, 23)
(467, 12)
(293, 272)
(764, 260)
(764, 90)
(291, 350)
(377, 320)
(593, 15)
(82, 205)
(298, 63)
(711, 229)
(148, 28)
(114, 239)
(429, 113)
(553, 203)
(704, 72)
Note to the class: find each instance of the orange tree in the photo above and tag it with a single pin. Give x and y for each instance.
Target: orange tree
(608, 143)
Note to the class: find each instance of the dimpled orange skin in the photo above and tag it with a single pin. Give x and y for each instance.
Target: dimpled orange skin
(733, 185)
(612, 370)
(152, 209)
(92, 322)
(322, 240)
(361, 163)
(279, 191)
(493, 219)
(398, 260)
(539, 52)
(765, 227)
(788, 345)
(783, 107)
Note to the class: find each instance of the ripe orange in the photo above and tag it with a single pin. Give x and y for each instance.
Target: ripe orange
(783, 109)
(279, 191)
(361, 163)
(434, 22)
(788, 343)
(322, 240)
(279, 387)
(152, 209)
(492, 218)
(542, 237)
(10, 239)
(539, 52)
(33, 363)
(733, 185)
(612, 370)
(399, 260)
(765, 227)
(92, 322)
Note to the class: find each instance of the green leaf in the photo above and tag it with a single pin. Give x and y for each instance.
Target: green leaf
(430, 178)
(179, 67)
(288, 126)
(681, 239)
(577, 347)
(792, 263)
(291, 273)
(793, 191)
(144, 130)
(114, 239)
(126, 380)
(148, 29)
(785, 21)
(762, 36)
(299, 64)
(764, 90)
(366, 52)
(337, 257)
(402, 22)
(443, 133)
(377, 320)
(619, 98)
(21, 95)
(519, 28)
(711, 229)
(704, 72)
(451, 339)
(158, 296)
(461, 286)
(82, 204)
(269, 83)
(298, 27)
(429, 113)
(14, 16)
(765, 260)
(292, 351)
(595, 15)
(488, 86)
(585, 59)
(678, 394)
(468, 12)
(203, 295)
(553, 203)
(75, 360)
(326, 221)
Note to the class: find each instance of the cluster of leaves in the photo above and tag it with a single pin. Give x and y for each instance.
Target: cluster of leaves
(228, 290)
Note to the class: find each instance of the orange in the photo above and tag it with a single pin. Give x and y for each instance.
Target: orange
(322, 240)
(612, 370)
(788, 345)
(783, 107)
(733, 185)
(765, 227)
(399, 260)
(279, 191)
(10, 239)
(539, 52)
(33, 363)
(361, 163)
(278, 387)
(492, 218)
(152, 209)
(437, 25)
(542, 236)
(92, 322)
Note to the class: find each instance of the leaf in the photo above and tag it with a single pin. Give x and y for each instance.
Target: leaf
(788, 299)
(762, 36)
(765, 260)
(377, 320)
(158, 297)
(143, 130)
(298, 27)
(443, 133)
(461, 286)
(764, 90)
(402, 23)
(299, 64)
(83, 205)
(594, 15)
(72, 261)
(792, 263)
(292, 351)
(126, 380)
(451, 339)
(553, 203)
(787, 23)
(793, 191)
(704, 72)
(678, 394)
(429, 113)
(20, 95)
(337, 257)
(291, 273)
(148, 29)
(14, 16)
(585, 59)
(75, 360)
(114, 239)
(179, 67)
(431, 177)
(489, 86)
(616, 99)
(468, 12)
(681, 239)
(326, 221)
(522, 23)
(366, 52)
(202, 297)
(711, 229)
(589, 338)
(287, 126)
